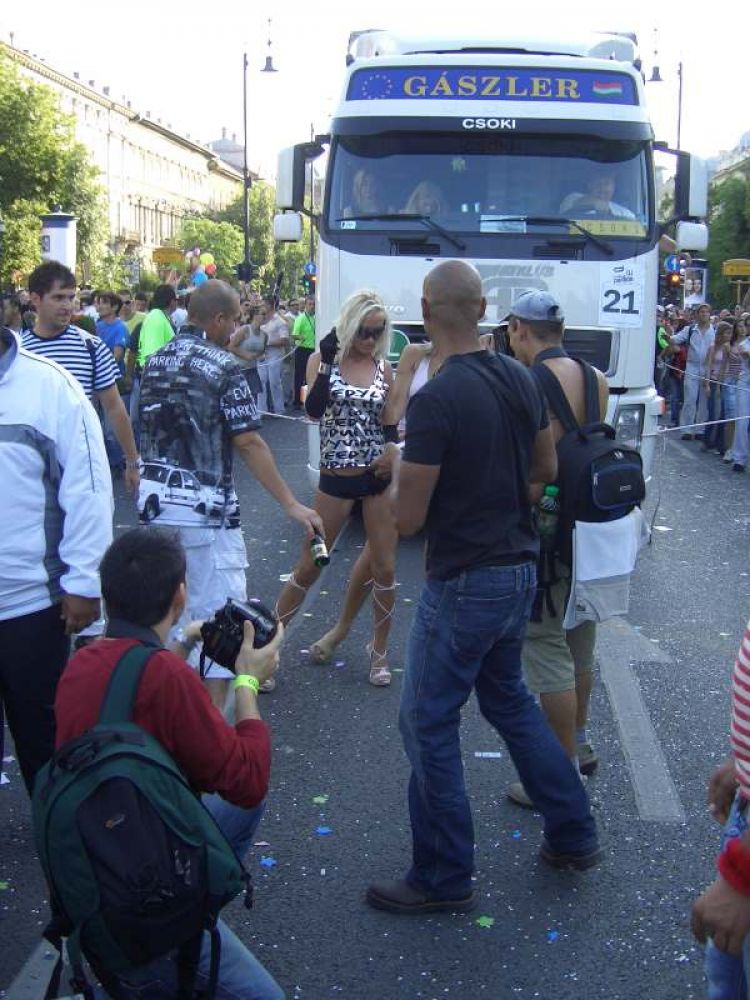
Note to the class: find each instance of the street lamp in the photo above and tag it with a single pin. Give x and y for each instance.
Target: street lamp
(245, 271)
(656, 77)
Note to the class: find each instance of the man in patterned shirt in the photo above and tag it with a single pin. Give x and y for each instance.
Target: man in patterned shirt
(52, 288)
(196, 413)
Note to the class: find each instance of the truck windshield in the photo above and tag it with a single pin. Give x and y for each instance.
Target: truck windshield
(471, 182)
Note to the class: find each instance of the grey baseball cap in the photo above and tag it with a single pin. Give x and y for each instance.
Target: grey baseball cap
(536, 306)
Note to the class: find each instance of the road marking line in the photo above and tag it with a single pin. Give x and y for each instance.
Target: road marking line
(656, 795)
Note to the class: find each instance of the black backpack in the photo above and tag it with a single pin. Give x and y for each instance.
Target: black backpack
(136, 866)
(599, 478)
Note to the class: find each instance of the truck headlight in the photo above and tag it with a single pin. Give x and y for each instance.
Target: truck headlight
(629, 424)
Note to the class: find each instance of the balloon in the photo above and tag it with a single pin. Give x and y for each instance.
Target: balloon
(207, 258)
(210, 270)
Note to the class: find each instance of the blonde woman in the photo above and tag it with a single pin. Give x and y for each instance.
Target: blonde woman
(349, 381)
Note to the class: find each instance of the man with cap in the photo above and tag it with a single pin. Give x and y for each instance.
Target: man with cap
(557, 663)
(480, 420)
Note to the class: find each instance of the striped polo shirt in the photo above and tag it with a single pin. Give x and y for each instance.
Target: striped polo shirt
(80, 353)
(740, 724)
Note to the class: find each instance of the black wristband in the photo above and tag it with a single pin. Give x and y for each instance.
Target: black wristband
(390, 433)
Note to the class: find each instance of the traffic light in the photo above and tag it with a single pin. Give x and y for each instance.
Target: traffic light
(308, 284)
(244, 272)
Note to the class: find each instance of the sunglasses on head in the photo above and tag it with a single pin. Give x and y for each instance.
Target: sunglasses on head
(371, 332)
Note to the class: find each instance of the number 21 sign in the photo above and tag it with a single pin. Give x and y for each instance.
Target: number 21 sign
(620, 294)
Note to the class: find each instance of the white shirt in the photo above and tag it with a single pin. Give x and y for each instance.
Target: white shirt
(699, 343)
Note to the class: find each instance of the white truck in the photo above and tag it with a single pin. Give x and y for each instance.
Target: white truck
(534, 160)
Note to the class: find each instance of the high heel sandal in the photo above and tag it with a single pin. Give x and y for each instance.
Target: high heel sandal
(380, 675)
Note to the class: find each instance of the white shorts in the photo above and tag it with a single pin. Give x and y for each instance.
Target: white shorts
(216, 564)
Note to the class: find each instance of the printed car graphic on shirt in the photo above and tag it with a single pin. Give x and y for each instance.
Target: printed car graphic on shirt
(173, 493)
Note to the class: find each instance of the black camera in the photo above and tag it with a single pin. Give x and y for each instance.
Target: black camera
(223, 634)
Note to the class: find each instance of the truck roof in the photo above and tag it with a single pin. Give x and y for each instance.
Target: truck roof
(622, 47)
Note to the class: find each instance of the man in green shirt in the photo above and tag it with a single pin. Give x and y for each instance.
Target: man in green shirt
(129, 313)
(303, 335)
(156, 330)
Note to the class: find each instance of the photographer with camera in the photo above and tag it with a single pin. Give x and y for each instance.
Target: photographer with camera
(143, 585)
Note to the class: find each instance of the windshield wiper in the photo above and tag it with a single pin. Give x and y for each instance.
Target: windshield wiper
(554, 220)
(407, 217)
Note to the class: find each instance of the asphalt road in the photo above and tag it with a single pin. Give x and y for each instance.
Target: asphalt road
(659, 721)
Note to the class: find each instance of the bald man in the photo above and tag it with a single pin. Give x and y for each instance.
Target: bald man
(197, 412)
(476, 434)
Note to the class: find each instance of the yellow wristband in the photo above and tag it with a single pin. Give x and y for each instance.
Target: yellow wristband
(246, 681)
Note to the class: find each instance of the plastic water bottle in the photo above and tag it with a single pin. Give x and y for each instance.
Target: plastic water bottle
(547, 517)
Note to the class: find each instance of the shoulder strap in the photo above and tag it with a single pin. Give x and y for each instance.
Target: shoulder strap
(591, 390)
(88, 343)
(119, 697)
(556, 398)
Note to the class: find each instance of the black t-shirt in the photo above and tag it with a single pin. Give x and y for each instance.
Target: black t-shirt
(479, 514)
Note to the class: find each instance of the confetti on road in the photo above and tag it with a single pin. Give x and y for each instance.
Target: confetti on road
(492, 754)
(285, 577)
(3, 886)
(261, 843)
(516, 835)
(323, 831)
(407, 600)
(485, 921)
(320, 800)
(8, 760)
(268, 862)
(307, 614)
(4, 779)
(397, 670)
(724, 635)
(552, 935)
(661, 527)
(304, 652)
(340, 664)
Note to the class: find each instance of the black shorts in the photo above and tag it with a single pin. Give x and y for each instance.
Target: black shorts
(366, 484)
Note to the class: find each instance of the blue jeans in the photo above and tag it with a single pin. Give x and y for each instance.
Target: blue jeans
(241, 976)
(713, 437)
(467, 633)
(728, 975)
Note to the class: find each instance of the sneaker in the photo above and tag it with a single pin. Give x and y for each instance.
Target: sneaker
(580, 862)
(587, 759)
(728, 456)
(517, 793)
(401, 897)
(737, 467)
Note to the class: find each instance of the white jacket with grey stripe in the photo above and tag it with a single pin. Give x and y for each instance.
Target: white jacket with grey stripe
(55, 485)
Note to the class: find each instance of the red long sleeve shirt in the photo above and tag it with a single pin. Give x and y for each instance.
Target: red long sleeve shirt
(175, 708)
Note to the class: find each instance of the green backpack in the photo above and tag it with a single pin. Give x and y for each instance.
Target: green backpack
(136, 865)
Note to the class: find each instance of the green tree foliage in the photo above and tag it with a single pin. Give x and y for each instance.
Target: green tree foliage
(42, 165)
(222, 239)
(729, 215)
(269, 257)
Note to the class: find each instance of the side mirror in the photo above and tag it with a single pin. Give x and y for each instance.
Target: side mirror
(691, 188)
(291, 174)
(691, 236)
(290, 179)
(287, 228)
